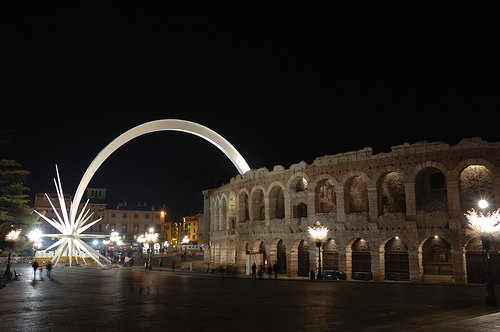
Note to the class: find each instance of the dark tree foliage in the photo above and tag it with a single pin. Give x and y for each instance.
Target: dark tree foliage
(14, 209)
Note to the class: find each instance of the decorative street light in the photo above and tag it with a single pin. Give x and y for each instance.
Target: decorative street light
(319, 234)
(149, 238)
(487, 228)
(36, 237)
(11, 237)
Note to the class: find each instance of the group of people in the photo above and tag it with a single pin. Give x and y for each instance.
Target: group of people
(260, 272)
(35, 266)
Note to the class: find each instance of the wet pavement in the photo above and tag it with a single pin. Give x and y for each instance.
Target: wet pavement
(124, 299)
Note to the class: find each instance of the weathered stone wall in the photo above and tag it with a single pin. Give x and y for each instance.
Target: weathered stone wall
(414, 193)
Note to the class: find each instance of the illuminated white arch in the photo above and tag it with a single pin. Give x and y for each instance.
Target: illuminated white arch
(150, 127)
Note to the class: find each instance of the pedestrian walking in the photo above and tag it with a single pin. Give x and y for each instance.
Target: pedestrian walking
(160, 264)
(275, 269)
(49, 268)
(173, 264)
(261, 272)
(35, 267)
(254, 271)
(270, 271)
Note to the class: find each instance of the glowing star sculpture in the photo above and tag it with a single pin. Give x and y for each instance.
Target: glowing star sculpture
(71, 230)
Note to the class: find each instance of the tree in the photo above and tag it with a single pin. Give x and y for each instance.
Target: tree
(14, 209)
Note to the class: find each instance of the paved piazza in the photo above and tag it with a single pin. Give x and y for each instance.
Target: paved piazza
(121, 299)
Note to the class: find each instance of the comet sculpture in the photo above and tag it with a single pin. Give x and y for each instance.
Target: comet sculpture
(70, 239)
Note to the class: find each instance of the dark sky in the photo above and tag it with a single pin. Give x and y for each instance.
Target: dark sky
(283, 82)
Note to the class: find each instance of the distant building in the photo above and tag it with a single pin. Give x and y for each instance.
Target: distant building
(192, 228)
(132, 222)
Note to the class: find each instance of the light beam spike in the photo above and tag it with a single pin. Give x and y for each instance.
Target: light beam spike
(55, 244)
(59, 227)
(84, 221)
(96, 253)
(81, 212)
(55, 210)
(62, 203)
(81, 230)
(92, 253)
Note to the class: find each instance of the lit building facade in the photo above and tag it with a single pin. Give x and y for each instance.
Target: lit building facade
(193, 226)
(392, 216)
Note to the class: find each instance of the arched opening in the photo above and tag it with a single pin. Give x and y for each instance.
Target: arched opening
(475, 260)
(325, 196)
(243, 210)
(430, 190)
(476, 183)
(436, 257)
(361, 260)
(300, 210)
(276, 203)
(303, 257)
(231, 211)
(223, 214)
(330, 256)
(301, 185)
(281, 257)
(215, 218)
(356, 191)
(232, 254)
(397, 263)
(243, 251)
(392, 197)
(258, 205)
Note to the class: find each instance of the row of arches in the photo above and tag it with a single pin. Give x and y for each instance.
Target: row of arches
(390, 191)
(393, 259)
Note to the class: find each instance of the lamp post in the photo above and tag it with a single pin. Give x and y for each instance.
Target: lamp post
(487, 227)
(149, 238)
(319, 234)
(11, 237)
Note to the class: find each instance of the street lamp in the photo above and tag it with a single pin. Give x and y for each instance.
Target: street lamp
(319, 234)
(36, 237)
(487, 228)
(11, 237)
(149, 238)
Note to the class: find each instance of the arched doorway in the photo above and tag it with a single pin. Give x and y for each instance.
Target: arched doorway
(436, 257)
(330, 256)
(281, 257)
(397, 263)
(476, 183)
(361, 260)
(303, 257)
(476, 269)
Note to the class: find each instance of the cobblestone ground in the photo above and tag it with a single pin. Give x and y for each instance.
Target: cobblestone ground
(124, 299)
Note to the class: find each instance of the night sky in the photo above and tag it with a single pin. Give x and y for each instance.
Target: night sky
(282, 82)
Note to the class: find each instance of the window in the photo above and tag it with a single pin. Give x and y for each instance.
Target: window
(124, 228)
(147, 216)
(113, 227)
(124, 215)
(136, 228)
(136, 216)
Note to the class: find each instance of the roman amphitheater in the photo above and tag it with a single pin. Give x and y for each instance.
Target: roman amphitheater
(397, 215)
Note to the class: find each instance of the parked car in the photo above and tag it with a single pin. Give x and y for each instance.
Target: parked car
(334, 275)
